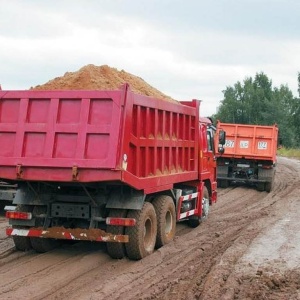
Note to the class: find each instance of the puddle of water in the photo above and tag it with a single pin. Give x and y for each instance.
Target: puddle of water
(278, 246)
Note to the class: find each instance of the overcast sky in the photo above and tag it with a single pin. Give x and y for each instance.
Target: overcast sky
(188, 49)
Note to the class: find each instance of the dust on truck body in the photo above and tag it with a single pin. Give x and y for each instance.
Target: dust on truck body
(250, 155)
(108, 166)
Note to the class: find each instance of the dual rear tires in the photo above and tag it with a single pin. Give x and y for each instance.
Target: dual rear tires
(155, 227)
(142, 236)
(268, 186)
(267, 175)
(116, 250)
(41, 245)
(223, 183)
(265, 186)
(22, 243)
(166, 220)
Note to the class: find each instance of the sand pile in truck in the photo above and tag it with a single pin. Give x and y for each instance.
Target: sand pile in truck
(91, 77)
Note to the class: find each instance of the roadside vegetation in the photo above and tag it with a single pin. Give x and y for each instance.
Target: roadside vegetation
(255, 101)
(288, 152)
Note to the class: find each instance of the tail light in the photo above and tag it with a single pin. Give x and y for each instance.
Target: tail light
(18, 215)
(120, 221)
(267, 166)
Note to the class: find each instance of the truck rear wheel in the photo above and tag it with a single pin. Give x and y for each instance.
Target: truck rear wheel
(195, 221)
(268, 176)
(224, 183)
(142, 236)
(268, 186)
(42, 244)
(166, 220)
(261, 186)
(116, 250)
(22, 243)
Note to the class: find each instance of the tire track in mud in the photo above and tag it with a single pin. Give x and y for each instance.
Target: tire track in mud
(195, 256)
(6, 244)
(198, 264)
(223, 281)
(37, 275)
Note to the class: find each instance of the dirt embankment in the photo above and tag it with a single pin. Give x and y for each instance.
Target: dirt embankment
(247, 249)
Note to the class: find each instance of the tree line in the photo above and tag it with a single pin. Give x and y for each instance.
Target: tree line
(256, 101)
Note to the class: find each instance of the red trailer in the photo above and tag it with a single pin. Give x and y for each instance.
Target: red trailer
(250, 155)
(107, 166)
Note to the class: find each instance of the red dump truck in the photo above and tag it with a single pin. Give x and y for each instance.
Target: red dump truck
(250, 155)
(104, 166)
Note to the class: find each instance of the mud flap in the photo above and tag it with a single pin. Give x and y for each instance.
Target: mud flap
(126, 199)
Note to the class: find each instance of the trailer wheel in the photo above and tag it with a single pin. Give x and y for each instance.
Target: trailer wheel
(142, 236)
(42, 244)
(116, 250)
(166, 220)
(195, 221)
(22, 243)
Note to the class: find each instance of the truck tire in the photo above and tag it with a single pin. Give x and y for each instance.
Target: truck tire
(116, 250)
(268, 186)
(195, 221)
(42, 244)
(22, 243)
(268, 176)
(261, 186)
(166, 220)
(224, 183)
(142, 236)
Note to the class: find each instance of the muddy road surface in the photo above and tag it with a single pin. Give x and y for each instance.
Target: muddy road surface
(248, 248)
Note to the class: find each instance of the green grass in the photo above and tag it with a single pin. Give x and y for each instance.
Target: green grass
(293, 153)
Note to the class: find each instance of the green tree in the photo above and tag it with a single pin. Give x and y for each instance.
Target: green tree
(284, 102)
(296, 114)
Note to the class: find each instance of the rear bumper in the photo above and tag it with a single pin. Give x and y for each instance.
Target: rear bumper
(96, 235)
(241, 179)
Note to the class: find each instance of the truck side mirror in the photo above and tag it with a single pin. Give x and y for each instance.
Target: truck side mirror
(222, 137)
(221, 150)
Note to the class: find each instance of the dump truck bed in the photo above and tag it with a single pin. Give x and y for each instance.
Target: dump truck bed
(93, 136)
(250, 141)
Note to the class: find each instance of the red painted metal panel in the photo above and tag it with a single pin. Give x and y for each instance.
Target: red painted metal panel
(59, 129)
(98, 136)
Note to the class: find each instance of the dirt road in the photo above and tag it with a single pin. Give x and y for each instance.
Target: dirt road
(249, 248)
